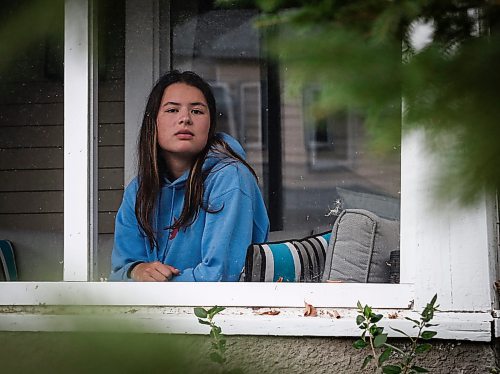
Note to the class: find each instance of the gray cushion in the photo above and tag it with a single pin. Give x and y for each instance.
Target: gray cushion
(360, 247)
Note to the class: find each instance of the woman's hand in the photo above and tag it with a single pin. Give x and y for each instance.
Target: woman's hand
(153, 272)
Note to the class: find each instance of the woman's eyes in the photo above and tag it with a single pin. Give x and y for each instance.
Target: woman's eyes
(175, 110)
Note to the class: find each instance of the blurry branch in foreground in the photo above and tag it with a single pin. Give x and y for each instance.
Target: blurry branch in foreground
(24, 24)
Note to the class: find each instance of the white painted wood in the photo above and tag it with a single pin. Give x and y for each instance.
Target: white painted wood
(94, 142)
(141, 71)
(496, 323)
(410, 182)
(77, 140)
(446, 247)
(227, 294)
(80, 139)
(237, 321)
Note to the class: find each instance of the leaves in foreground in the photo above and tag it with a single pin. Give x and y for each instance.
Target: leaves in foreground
(374, 338)
(218, 344)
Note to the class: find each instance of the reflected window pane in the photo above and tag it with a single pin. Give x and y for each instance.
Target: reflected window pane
(328, 164)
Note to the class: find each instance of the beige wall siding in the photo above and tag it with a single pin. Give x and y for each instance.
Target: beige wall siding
(31, 170)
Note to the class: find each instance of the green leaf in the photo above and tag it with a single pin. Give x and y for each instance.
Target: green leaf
(216, 333)
(360, 307)
(366, 361)
(360, 343)
(360, 319)
(431, 324)
(400, 331)
(423, 348)
(419, 369)
(215, 357)
(367, 311)
(426, 335)
(434, 299)
(200, 313)
(376, 318)
(413, 320)
(395, 348)
(203, 322)
(222, 345)
(391, 369)
(384, 356)
(379, 340)
(375, 330)
(213, 311)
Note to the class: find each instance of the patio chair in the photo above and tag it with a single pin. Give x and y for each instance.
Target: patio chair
(8, 261)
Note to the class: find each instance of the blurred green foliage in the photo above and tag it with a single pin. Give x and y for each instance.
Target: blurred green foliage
(102, 352)
(363, 54)
(25, 23)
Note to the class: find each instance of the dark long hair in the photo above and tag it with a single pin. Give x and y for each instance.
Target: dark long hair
(152, 168)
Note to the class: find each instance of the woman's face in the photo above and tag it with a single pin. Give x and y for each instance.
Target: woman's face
(183, 123)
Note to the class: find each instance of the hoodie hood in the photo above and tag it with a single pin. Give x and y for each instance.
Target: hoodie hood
(233, 143)
(213, 158)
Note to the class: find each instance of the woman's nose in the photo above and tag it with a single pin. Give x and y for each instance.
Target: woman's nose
(184, 117)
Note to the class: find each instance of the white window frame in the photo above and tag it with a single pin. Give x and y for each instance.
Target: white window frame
(448, 250)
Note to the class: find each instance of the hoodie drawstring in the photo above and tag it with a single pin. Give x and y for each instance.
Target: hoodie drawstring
(170, 220)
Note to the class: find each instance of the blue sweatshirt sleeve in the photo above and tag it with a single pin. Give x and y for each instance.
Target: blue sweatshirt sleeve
(228, 233)
(129, 245)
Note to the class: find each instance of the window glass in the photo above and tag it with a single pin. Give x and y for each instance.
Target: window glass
(328, 164)
(309, 167)
(31, 144)
(111, 150)
(223, 47)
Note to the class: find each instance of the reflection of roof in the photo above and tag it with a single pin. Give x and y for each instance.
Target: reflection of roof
(227, 33)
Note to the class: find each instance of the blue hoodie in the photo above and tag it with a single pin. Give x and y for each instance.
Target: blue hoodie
(214, 247)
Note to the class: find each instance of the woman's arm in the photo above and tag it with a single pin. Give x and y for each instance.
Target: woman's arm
(129, 247)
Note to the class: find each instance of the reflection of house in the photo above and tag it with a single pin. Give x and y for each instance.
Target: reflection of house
(449, 251)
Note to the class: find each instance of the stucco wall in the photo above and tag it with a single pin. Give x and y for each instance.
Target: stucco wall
(336, 355)
(24, 352)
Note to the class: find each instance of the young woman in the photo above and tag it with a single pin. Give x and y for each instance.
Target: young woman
(195, 205)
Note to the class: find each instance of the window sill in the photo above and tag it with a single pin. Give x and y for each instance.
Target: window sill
(328, 322)
(339, 295)
(251, 308)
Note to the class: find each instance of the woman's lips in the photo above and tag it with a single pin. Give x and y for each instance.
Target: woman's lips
(184, 135)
